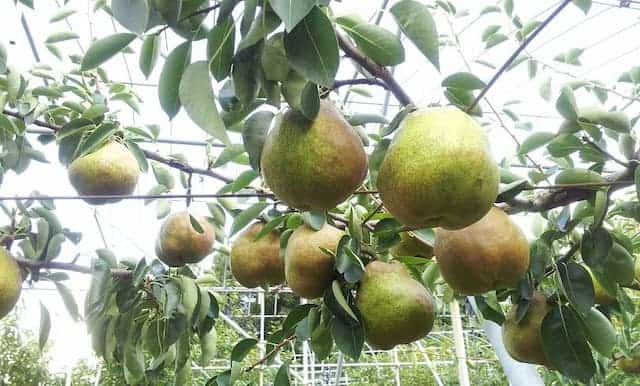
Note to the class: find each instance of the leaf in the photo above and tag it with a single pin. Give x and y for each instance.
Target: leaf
(315, 220)
(463, 80)
(196, 95)
(265, 23)
(578, 176)
(61, 14)
(254, 135)
(310, 101)
(342, 301)
(195, 224)
(584, 5)
(139, 154)
(600, 332)
(274, 58)
(416, 22)
(242, 349)
(566, 104)
(68, 300)
(62, 36)
(384, 47)
(295, 316)
(246, 216)
(508, 7)
(363, 119)
(545, 89)
(149, 54)
(614, 120)
(132, 14)
(220, 45)
(577, 285)
(163, 176)
(101, 135)
(565, 344)
(348, 338)
(600, 207)
(636, 177)
(45, 326)
(619, 265)
(3, 59)
(496, 39)
(104, 49)
(535, 141)
(312, 48)
(169, 83)
(282, 376)
(291, 12)
(208, 346)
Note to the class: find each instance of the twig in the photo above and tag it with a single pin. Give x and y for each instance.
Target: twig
(34, 265)
(589, 142)
(271, 353)
(582, 185)
(365, 81)
(373, 213)
(136, 197)
(572, 251)
(374, 69)
(517, 52)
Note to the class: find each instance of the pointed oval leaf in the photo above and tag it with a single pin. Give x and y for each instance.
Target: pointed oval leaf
(416, 22)
(463, 80)
(246, 216)
(384, 47)
(104, 49)
(291, 12)
(600, 332)
(149, 54)
(169, 83)
(220, 44)
(535, 141)
(132, 14)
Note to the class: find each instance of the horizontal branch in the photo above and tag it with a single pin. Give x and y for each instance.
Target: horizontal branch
(363, 81)
(136, 196)
(582, 185)
(35, 265)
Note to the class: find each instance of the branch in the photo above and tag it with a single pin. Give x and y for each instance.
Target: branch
(35, 265)
(365, 81)
(602, 151)
(171, 162)
(374, 69)
(271, 353)
(137, 197)
(517, 53)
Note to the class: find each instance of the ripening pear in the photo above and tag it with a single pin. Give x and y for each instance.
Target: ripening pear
(395, 308)
(410, 245)
(10, 282)
(110, 170)
(491, 254)
(309, 271)
(523, 340)
(313, 165)
(438, 171)
(257, 262)
(179, 243)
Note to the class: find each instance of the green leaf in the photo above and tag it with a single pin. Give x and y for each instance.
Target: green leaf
(220, 45)
(246, 216)
(163, 176)
(68, 300)
(619, 265)
(348, 338)
(100, 136)
(563, 145)
(416, 22)
(463, 80)
(636, 177)
(45, 326)
(577, 285)
(295, 316)
(169, 83)
(62, 36)
(133, 365)
(384, 47)
(565, 344)
(614, 120)
(566, 104)
(254, 135)
(242, 349)
(291, 12)
(310, 101)
(228, 154)
(282, 376)
(149, 54)
(315, 220)
(535, 141)
(312, 48)
(265, 23)
(508, 7)
(196, 95)
(195, 224)
(3, 59)
(342, 301)
(139, 154)
(496, 39)
(600, 332)
(274, 58)
(61, 14)
(104, 49)
(132, 14)
(584, 5)
(578, 176)
(208, 347)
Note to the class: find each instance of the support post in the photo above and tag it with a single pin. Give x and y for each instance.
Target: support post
(458, 339)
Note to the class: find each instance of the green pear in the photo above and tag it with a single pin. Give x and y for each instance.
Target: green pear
(313, 165)
(410, 245)
(438, 171)
(179, 243)
(523, 340)
(257, 262)
(309, 271)
(491, 254)
(110, 170)
(10, 282)
(395, 308)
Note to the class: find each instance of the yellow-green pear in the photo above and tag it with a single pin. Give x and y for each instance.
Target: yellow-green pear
(179, 243)
(523, 340)
(438, 171)
(257, 262)
(309, 271)
(10, 282)
(410, 245)
(395, 308)
(110, 170)
(313, 165)
(491, 254)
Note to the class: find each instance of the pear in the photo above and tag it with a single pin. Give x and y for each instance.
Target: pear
(10, 282)
(309, 271)
(491, 254)
(110, 170)
(410, 245)
(179, 243)
(257, 262)
(438, 171)
(523, 340)
(629, 365)
(313, 165)
(395, 308)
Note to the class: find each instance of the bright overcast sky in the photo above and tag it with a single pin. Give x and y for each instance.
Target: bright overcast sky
(130, 228)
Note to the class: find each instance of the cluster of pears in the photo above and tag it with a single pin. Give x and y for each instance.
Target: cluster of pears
(109, 171)
(10, 282)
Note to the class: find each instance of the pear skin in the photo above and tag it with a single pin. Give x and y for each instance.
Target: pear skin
(523, 340)
(10, 282)
(257, 262)
(438, 171)
(491, 254)
(395, 308)
(179, 244)
(110, 170)
(313, 165)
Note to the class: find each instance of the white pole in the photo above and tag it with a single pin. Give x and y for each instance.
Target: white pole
(262, 340)
(435, 374)
(458, 339)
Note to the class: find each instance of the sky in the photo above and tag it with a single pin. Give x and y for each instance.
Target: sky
(608, 33)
